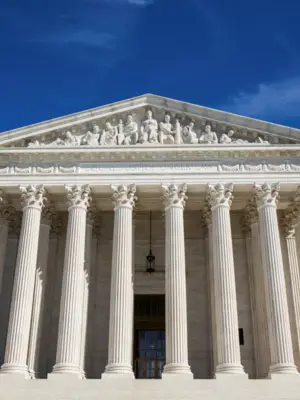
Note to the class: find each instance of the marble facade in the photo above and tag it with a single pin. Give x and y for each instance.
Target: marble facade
(76, 192)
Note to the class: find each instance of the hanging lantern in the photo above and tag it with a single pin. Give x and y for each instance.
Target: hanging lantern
(150, 259)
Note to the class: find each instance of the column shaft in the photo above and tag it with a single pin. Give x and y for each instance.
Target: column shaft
(228, 348)
(211, 291)
(86, 292)
(121, 304)
(38, 301)
(263, 345)
(282, 360)
(71, 306)
(295, 286)
(176, 303)
(15, 360)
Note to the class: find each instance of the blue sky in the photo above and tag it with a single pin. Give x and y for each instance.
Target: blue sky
(64, 56)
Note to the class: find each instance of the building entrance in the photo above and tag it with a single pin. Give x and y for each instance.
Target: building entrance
(149, 341)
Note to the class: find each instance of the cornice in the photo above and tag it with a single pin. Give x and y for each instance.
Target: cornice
(150, 167)
(147, 153)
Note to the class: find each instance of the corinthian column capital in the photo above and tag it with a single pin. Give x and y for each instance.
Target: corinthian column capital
(206, 213)
(124, 196)
(266, 194)
(291, 215)
(250, 216)
(220, 194)
(49, 212)
(78, 196)
(288, 223)
(174, 195)
(33, 196)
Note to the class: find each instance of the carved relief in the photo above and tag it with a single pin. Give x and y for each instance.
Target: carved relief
(32, 196)
(174, 195)
(291, 215)
(208, 136)
(48, 212)
(124, 195)
(78, 195)
(145, 129)
(227, 138)
(266, 194)
(189, 136)
(220, 194)
(149, 129)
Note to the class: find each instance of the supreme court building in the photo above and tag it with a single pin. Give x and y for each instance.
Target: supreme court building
(150, 248)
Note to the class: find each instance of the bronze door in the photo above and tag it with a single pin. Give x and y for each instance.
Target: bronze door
(150, 353)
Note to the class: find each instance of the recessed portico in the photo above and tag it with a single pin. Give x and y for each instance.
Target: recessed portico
(76, 201)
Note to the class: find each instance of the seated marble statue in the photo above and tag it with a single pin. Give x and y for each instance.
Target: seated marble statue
(128, 133)
(208, 136)
(189, 136)
(166, 132)
(226, 138)
(149, 129)
(70, 140)
(109, 135)
(91, 138)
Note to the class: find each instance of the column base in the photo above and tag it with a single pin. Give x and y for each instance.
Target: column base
(15, 369)
(118, 371)
(282, 369)
(63, 370)
(230, 369)
(177, 370)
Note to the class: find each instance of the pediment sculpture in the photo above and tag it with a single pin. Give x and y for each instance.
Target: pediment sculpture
(149, 130)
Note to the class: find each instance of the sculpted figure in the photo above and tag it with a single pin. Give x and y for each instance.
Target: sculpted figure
(189, 135)
(70, 140)
(109, 135)
(208, 136)
(35, 143)
(128, 133)
(149, 129)
(226, 138)
(91, 138)
(262, 141)
(166, 132)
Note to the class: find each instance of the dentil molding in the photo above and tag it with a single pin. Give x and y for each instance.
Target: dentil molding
(166, 167)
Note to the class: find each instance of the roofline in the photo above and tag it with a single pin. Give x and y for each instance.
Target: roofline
(152, 100)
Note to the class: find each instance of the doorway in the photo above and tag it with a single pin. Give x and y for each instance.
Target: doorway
(149, 336)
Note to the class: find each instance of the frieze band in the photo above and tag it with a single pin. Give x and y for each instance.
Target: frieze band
(148, 167)
(148, 131)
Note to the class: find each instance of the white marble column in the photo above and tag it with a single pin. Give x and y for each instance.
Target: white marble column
(282, 359)
(91, 216)
(134, 215)
(15, 360)
(211, 290)
(176, 304)
(121, 304)
(290, 220)
(39, 291)
(228, 348)
(258, 292)
(71, 307)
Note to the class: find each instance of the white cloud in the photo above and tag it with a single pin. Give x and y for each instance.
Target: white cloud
(277, 99)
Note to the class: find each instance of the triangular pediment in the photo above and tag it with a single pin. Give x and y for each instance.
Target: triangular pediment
(149, 119)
